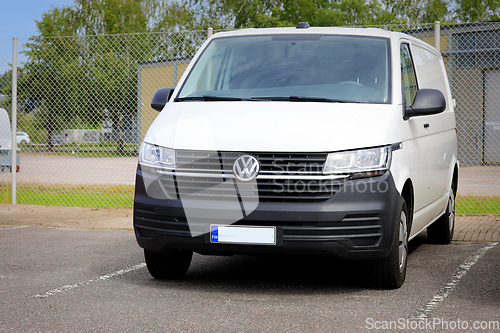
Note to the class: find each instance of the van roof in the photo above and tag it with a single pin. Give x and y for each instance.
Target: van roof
(313, 30)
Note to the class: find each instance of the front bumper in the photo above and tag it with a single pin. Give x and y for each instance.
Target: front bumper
(356, 223)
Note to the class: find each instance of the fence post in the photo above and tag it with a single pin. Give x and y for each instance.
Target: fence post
(437, 35)
(210, 32)
(14, 121)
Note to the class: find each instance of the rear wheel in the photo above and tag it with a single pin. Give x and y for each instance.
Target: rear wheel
(441, 231)
(169, 265)
(391, 270)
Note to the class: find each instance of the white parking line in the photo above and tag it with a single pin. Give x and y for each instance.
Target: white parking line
(84, 283)
(13, 227)
(451, 284)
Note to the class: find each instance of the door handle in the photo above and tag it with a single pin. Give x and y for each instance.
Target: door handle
(426, 125)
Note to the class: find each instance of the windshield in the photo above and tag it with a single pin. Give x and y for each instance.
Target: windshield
(306, 67)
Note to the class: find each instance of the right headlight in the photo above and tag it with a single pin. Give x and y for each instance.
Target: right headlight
(359, 163)
(156, 156)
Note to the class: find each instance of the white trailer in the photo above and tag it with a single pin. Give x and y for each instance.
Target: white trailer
(6, 144)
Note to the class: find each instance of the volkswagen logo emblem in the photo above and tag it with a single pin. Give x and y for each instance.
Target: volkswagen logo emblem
(246, 168)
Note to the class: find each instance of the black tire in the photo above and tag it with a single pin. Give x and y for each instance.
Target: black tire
(441, 231)
(23, 142)
(169, 265)
(391, 270)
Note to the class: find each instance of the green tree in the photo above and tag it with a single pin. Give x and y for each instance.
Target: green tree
(436, 10)
(477, 10)
(276, 13)
(418, 11)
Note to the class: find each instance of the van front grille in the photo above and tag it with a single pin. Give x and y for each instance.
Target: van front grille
(270, 163)
(289, 177)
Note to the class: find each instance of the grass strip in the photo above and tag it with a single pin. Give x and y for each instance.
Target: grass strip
(93, 196)
(471, 205)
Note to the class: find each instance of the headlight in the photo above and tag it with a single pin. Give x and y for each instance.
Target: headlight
(359, 163)
(156, 156)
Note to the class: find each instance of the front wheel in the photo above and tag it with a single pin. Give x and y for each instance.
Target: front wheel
(391, 270)
(170, 265)
(441, 231)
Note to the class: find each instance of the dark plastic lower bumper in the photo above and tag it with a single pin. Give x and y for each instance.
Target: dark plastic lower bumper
(356, 223)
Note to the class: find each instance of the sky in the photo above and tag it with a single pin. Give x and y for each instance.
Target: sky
(17, 17)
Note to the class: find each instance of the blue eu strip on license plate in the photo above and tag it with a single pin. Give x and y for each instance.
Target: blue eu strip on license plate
(214, 234)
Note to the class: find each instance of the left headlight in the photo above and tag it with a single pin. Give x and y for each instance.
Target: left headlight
(156, 156)
(359, 163)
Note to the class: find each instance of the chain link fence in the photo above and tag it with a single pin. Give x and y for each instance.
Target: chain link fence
(83, 110)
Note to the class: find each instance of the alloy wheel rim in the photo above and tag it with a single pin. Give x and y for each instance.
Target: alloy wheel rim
(451, 210)
(403, 241)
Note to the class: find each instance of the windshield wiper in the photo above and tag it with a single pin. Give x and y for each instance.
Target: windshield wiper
(300, 99)
(271, 98)
(209, 98)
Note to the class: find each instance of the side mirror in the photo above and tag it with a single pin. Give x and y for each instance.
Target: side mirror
(427, 102)
(161, 97)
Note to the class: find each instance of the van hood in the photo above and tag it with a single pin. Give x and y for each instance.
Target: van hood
(273, 126)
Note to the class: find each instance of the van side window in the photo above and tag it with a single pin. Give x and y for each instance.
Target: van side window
(408, 74)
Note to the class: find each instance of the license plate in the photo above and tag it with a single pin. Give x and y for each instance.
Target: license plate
(232, 234)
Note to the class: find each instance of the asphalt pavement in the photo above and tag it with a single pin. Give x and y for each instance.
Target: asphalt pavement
(51, 169)
(80, 280)
(71, 269)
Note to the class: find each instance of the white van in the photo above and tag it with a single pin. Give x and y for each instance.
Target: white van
(317, 141)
